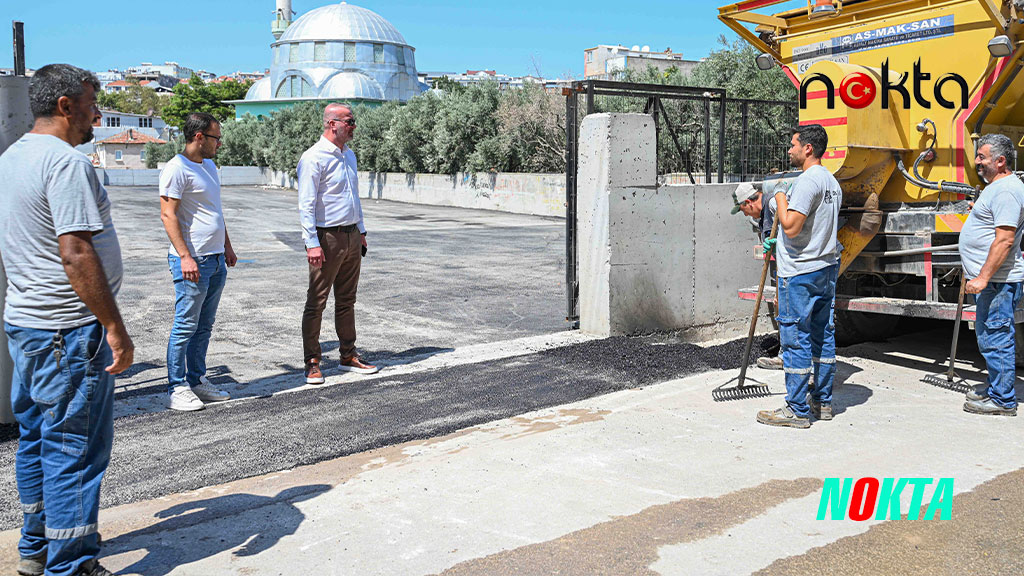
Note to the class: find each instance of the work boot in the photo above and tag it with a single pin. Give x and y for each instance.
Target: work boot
(977, 394)
(92, 568)
(353, 364)
(34, 566)
(770, 362)
(988, 406)
(782, 417)
(313, 373)
(819, 410)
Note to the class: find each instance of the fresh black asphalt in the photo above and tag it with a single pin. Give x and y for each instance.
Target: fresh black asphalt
(167, 452)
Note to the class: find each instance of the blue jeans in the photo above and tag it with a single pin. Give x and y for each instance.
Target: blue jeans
(195, 308)
(808, 336)
(63, 400)
(995, 330)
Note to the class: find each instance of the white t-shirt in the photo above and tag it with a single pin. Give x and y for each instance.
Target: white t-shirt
(197, 186)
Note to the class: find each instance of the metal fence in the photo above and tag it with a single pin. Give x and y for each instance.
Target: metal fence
(703, 136)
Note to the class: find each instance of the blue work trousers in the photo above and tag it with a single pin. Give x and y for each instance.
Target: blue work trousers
(807, 333)
(195, 309)
(63, 400)
(996, 340)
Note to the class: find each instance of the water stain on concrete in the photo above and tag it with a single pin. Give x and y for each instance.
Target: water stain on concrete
(560, 419)
(629, 544)
(985, 536)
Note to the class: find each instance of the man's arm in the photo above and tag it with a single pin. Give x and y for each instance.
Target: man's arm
(790, 221)
(169, 216)
(229, 253)
(308, 175)
(997, 253)
(85, 272)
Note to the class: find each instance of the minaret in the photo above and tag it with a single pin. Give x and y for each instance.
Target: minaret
(283, 19)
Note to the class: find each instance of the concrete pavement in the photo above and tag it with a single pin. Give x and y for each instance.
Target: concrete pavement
(654, 480)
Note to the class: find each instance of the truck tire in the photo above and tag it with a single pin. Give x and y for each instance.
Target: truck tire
(856, 327)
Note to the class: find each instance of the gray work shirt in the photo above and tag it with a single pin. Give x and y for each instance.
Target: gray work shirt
(50, 189)
(1001, 204)
(817, 195)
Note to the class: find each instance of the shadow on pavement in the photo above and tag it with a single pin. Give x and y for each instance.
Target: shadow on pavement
(193, 531)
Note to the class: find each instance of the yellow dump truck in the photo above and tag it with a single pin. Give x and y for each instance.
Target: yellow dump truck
(904, 89)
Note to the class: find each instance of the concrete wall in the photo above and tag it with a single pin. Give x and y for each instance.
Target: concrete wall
(141, 177)
(655, 258)
(538, 194)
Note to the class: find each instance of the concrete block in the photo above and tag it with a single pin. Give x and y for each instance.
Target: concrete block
(617, 161)
(652, 258)
(655, 258)
(724, 261)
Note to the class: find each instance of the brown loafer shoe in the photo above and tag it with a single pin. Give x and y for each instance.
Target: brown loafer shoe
(354, 364)
(313, 373)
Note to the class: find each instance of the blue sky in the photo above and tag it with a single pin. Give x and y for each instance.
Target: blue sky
(227, 35)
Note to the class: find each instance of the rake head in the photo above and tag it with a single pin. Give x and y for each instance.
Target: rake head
(948, 381)
(725, 392)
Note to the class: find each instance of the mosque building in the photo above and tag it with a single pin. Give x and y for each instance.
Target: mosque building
(337, 53)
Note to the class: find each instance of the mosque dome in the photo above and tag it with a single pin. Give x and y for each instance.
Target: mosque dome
(343, 22)
(352, 85)
(260, 89)
(337, 52)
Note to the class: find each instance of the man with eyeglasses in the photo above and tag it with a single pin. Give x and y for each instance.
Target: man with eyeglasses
(335, 240)
(198, 257)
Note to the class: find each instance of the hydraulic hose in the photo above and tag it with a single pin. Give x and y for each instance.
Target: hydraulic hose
(941, 186)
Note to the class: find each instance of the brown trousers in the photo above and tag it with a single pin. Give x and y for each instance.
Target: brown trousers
(340, 270)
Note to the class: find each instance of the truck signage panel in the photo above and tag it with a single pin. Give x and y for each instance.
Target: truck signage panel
(896, 34)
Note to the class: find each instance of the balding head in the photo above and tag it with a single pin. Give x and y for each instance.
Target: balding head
(334, 111)
(339, 124)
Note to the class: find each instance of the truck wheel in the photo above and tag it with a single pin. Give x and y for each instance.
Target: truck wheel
(856, 327)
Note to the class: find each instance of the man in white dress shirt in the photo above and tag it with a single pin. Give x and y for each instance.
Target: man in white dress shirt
(334, 236)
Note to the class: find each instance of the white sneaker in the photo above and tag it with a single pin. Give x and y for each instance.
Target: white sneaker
(185, 400)
(207, 392)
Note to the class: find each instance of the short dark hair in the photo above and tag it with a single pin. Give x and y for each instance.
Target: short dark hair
(197, 122)
(814, 135)
(52, 81)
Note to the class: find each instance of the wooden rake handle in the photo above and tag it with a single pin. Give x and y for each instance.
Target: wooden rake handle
(757, 306)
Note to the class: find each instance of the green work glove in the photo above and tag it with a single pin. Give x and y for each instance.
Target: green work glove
(769, 245)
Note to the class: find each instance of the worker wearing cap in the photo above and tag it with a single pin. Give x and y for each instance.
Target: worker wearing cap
(748, 199)
(808, 260)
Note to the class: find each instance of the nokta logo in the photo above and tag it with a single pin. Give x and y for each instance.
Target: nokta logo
(867, 497)
(858, 90)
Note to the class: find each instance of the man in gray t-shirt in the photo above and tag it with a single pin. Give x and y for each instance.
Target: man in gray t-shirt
(808, 263)
(991, 257)
(64, 330)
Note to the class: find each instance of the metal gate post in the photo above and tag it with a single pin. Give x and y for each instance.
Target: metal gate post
(744, 154)
(571, 149)
(707, 138)
(721, 139)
